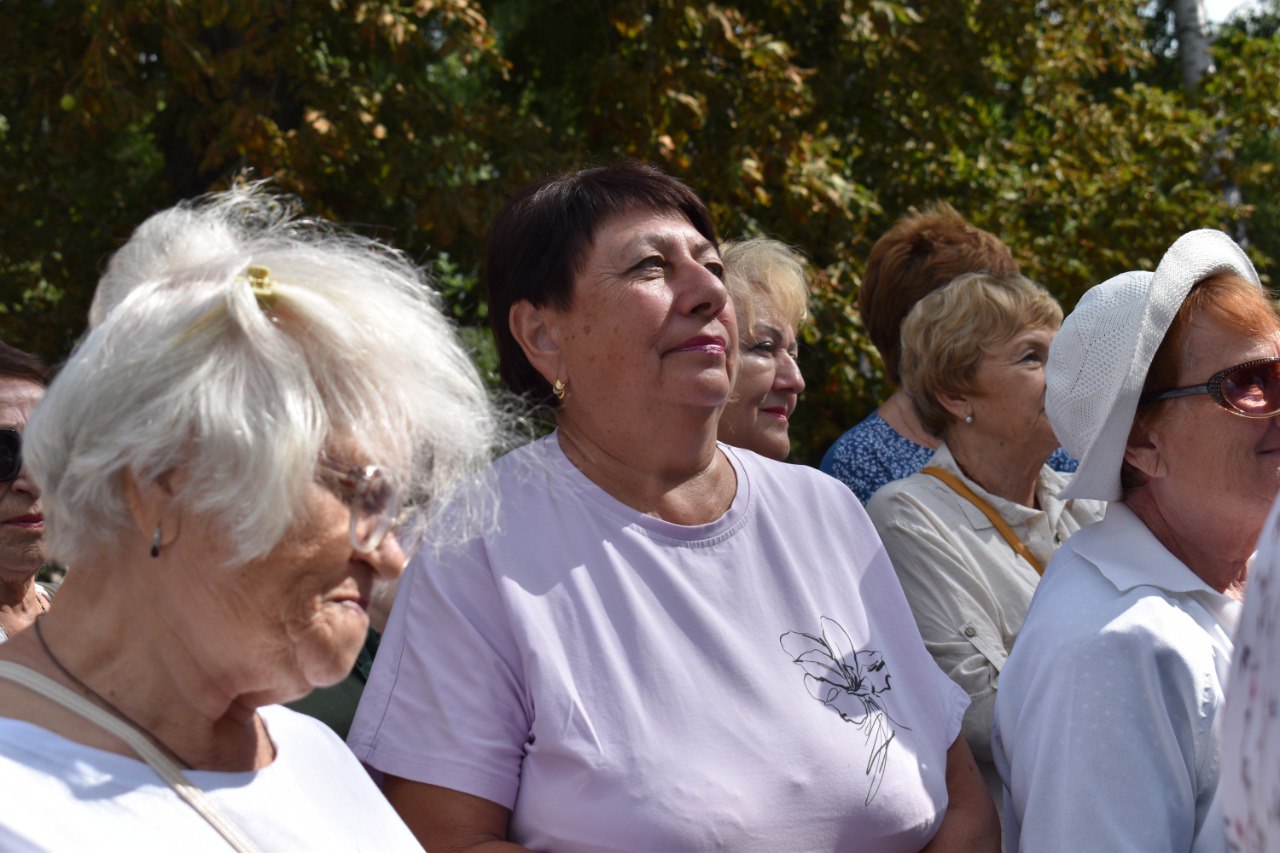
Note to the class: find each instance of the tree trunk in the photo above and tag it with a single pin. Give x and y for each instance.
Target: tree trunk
(1193, 41)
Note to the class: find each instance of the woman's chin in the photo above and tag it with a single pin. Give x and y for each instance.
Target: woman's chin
(327, 659)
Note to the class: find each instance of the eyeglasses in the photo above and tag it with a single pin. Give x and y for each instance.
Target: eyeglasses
(373, 499)
(1251, 390)
(10, 454)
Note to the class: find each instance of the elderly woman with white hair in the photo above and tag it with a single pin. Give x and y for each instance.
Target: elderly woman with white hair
(1166, 387)
(223, 462)
(769, 287)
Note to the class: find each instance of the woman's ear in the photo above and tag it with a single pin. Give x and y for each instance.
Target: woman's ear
(957, 405)
(1145, 453)
(536, 331)
(151, 505)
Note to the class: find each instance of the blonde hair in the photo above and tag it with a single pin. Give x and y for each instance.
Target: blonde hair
(760, 266)
(185, 367)
(949, 331)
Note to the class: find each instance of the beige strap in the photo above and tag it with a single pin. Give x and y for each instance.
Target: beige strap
(1001, 525)
(168, 771)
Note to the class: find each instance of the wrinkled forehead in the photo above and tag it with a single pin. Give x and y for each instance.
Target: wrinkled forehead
(17, 398)
(1212, 346)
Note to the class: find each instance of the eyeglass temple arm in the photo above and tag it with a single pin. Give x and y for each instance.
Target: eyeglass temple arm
(1188, 391)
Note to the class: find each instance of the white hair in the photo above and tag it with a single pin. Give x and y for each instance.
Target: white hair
(185, 370)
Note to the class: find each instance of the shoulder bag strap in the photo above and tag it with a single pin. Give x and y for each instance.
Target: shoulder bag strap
(168, 771)
(1001, 525)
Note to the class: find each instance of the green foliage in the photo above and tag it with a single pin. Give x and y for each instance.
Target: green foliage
(1059, 126)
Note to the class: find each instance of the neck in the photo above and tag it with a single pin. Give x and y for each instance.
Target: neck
(1217, 554)
(18, 593)
(1012, 473)
(898, 413)
(135, 660)
(670, 469)
(20, 604)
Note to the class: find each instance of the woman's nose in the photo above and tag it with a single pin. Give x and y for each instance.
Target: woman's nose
(788, 377)
(23, 483)
(701, 291)
(388, 559)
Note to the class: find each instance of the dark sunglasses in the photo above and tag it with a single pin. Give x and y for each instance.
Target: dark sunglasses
(1251, 390)
(10, 454)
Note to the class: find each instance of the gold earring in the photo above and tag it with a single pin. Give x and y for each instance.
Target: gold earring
(558, 388)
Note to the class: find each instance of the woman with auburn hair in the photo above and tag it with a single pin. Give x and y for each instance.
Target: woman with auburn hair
(769, 286)
(22, 381)
(665, 643)
(970, 534)
(223, 463)
(1166, 387)
(922, 252)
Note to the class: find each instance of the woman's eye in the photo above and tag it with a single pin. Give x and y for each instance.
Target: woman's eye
(763, 347)
(715, 268)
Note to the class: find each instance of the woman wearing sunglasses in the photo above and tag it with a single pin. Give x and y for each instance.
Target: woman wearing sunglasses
(222, 462)
(22, 381)
(1166, 387)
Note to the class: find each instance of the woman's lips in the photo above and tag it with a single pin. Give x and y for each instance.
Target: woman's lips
(703, 343)
(779, 412)
(27, 522)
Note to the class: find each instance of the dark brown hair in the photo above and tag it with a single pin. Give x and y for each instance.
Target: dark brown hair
(922, 252)
(19, 364)
(539, 241)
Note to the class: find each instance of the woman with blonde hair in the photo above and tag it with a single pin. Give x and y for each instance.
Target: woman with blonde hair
(769, 285)
(223, 463)
(971, 533)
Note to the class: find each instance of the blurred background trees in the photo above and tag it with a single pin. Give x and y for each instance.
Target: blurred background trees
(1063, 127)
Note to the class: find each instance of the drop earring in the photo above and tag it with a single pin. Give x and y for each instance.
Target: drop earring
(155, 541)
(559, 388)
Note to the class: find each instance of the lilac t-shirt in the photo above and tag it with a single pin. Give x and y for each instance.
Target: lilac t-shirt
(623, 683)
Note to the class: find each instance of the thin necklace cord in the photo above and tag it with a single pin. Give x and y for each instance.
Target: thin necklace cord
(102, 699)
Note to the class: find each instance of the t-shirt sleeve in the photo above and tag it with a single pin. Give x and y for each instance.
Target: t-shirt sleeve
(445, 703)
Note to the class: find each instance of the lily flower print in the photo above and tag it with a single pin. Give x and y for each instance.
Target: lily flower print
(850, 682)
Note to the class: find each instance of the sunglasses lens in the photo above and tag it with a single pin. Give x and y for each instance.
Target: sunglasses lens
(10, 455)
(1253, 389)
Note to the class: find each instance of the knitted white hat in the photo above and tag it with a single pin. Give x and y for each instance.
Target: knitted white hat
(1099, 360)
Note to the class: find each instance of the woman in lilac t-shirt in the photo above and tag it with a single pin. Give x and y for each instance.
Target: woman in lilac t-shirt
(663, 643)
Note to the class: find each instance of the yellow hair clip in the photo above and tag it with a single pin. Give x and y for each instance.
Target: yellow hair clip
(260, 283)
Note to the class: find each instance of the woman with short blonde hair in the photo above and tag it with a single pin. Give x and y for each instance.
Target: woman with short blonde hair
(970, 534)
(769, 285)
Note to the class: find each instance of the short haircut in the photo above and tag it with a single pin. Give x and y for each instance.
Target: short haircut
(922, 252)
(539, 241)
(763, 267)
(1224, 298)
(20, 364)
(949, 331)
(185, 369)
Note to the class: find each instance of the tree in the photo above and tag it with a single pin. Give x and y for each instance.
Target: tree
(1051, 123)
